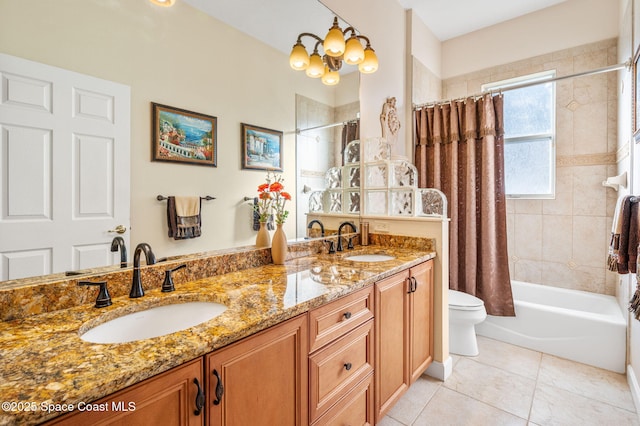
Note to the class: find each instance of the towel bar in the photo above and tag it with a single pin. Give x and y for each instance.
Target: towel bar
(208, 198)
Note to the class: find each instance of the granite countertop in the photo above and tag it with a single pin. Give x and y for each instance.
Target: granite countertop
(45, 361)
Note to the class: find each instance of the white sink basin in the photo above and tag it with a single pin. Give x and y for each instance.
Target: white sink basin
(369, 257)
(153, 322)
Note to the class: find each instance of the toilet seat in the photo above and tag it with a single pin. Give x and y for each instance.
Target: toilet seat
(464, 301)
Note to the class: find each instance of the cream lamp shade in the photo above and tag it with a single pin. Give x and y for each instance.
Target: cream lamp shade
(163, 3)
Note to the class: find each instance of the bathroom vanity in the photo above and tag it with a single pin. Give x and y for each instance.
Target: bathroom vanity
(297, 343)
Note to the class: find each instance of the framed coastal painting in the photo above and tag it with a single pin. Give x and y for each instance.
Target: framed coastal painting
(261, 148)
(183, 136)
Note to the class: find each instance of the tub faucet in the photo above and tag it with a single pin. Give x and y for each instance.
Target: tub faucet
(314, 221)
(350, 244)
(136, 285)
(118, 244)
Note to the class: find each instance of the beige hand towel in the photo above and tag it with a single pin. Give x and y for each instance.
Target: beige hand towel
(183, 217)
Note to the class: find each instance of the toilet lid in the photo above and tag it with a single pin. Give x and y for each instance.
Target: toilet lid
(463, 300)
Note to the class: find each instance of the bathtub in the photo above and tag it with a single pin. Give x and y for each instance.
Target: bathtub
(576, 325)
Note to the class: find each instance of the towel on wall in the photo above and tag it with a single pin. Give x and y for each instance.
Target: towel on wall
(256, 217)
(625, 236)
(183, 217)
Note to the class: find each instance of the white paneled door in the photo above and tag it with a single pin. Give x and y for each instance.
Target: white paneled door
(64, 169)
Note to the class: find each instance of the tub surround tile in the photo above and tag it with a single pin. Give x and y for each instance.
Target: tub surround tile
(49, 361)
(590, 240)
(504, 390)
(556, 238)
(527, 270)
(528, 238)
(590, 382)
(555, 406)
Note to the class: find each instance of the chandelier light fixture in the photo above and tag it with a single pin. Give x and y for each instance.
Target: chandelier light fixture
(163, 3)
(336, 51)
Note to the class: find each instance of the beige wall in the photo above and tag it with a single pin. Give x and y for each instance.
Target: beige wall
(568, 24)
(183, 58)
(383, 21)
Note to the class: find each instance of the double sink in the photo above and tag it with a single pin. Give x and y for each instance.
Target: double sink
(162, 320)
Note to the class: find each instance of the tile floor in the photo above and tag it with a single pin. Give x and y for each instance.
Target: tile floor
(510, 385)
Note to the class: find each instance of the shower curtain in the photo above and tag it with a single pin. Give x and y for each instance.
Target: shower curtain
(459, 150)
(350, 132)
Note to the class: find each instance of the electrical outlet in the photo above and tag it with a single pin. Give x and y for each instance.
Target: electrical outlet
(381, 227)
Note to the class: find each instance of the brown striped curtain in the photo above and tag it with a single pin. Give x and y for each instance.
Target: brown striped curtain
(459, 149)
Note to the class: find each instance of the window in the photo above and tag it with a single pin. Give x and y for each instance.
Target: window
(529, 140)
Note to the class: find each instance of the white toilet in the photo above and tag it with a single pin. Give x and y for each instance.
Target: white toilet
(465, 311)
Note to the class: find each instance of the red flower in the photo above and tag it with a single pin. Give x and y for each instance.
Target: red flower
(286, 196)
(276, 187)
(263, 187)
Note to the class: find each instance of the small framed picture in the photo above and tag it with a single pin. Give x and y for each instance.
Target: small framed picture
(183, 136)
(261, 148)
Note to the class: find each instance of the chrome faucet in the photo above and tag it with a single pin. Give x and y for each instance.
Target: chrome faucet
(136, 285)
(118, 244)
(350, 244)
(314, 221)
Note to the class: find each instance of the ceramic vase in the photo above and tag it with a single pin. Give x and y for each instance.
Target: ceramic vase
(263, 239)
(279, 246)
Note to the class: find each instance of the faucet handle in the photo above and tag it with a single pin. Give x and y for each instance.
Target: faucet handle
(332, 246)
(104, 298)
(167, 285)
(350, 243)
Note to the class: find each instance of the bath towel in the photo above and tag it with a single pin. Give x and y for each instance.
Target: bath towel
(614, 241)
(625, 236)
(183, 217)
(256, 217)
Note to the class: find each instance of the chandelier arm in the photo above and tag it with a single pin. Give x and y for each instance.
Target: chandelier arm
(353, 31)
(365, 38)
(318, 39)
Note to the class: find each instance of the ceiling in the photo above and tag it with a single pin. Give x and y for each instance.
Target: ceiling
(278, 22)
(452, 18)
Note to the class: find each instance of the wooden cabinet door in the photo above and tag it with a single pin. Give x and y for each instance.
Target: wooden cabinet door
(392, 341)
(262, 379)
(170, 398)
(421, 319)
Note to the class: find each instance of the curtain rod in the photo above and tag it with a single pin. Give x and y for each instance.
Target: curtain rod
(326, 126)
(610, 68)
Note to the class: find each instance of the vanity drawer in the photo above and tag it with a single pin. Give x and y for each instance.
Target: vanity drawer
(334, 319)
(356, 408)
(335, 369)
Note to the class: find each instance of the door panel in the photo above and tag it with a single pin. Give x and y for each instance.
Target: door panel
(64, 168)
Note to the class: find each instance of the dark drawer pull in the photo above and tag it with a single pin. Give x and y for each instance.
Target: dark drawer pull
(347, 315)
(219, 389)
(199, 398)
(347, 366)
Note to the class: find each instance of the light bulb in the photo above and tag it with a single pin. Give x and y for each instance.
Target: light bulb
(353, 52)
(334, 41)
(370, 63)
(316, 66)
(299, 58)
(330, 78)
(163, 3)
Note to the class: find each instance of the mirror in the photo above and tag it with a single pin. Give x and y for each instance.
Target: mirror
(174, 57)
